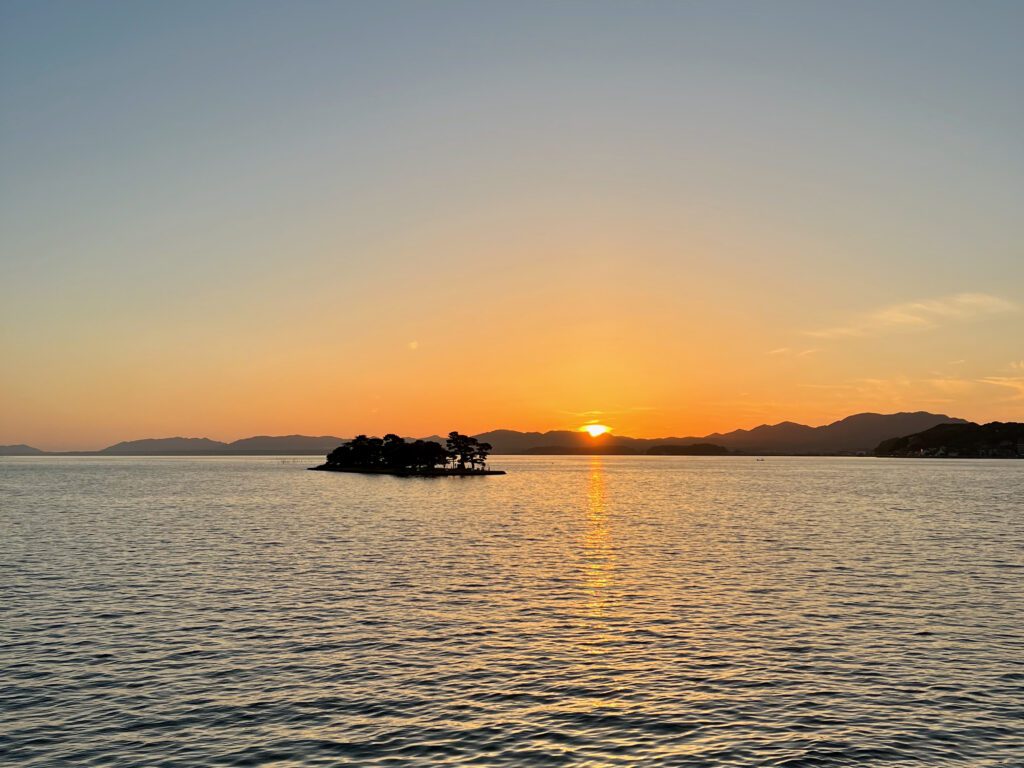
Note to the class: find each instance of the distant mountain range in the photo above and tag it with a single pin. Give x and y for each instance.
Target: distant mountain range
(854, 434)
(261, 444)
(20, 450)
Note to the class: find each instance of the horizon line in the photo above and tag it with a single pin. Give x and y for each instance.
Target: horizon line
(611, 433)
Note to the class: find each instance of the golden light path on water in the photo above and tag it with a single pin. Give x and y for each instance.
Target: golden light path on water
(597, 542)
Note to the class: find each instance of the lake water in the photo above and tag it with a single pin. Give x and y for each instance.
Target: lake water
(583, 611)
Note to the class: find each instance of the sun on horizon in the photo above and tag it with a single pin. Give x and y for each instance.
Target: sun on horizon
(594, 430)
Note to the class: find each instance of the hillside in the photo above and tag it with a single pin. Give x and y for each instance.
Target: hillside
(261, 444)
(854, 434)
(287, 444)
(20, 450)
(165, 445)
(997, 440)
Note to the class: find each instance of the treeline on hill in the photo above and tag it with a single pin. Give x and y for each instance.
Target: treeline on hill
(995, 440)
(392, 453)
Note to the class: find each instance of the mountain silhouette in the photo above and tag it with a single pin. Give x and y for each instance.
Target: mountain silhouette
(854, 434)
(163, 445)
(20, 450)
(861, 432)
(261, 444)
(287, 443)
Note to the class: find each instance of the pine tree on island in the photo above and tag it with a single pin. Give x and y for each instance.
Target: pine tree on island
(461, 455)
(464, 451)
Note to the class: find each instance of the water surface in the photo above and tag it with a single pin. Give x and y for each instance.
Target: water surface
(605, 611)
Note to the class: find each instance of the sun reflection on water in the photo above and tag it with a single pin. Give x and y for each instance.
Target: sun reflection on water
(598, 547)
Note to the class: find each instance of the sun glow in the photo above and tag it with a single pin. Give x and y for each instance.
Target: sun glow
(594, 430)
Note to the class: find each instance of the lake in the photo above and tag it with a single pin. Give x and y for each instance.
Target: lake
(580, 611)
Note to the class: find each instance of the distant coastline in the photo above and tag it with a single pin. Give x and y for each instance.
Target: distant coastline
(858, 435)
(409, 473)
(996, 440)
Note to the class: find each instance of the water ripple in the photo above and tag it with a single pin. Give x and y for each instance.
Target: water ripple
(576, 612)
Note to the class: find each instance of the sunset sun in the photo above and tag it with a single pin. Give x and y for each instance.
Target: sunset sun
(595, 430)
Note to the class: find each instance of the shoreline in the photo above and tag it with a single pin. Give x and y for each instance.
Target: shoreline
(409, 473)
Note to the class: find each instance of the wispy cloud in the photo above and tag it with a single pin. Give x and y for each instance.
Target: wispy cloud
(900, 392)
(790, 352)
(919, 315)
(951, 386)
(615, 411)
(1016, 383)
(906, 393)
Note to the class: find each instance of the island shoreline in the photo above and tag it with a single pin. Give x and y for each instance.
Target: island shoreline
(400, 473)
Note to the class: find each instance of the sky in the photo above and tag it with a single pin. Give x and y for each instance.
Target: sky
(236, 218)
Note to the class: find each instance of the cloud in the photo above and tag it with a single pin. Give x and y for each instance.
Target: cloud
(791, 352)
(907, 393)
(617, 410)
(919, 315)
(1015, 383)
(901, 392)
(951, 386)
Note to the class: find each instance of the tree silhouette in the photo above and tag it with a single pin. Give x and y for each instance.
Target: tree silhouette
(480, 454)
(393, 454)
(464, 450)
(393, 450)
(458, 449)
(361, 451)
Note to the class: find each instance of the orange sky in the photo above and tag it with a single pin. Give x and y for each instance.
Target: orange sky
(670, 219)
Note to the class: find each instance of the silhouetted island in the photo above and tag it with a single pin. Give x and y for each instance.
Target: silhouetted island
(462, 456)
(696, 449)
(995, 440)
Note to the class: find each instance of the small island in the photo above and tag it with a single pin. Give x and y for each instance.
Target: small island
(461, 456)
